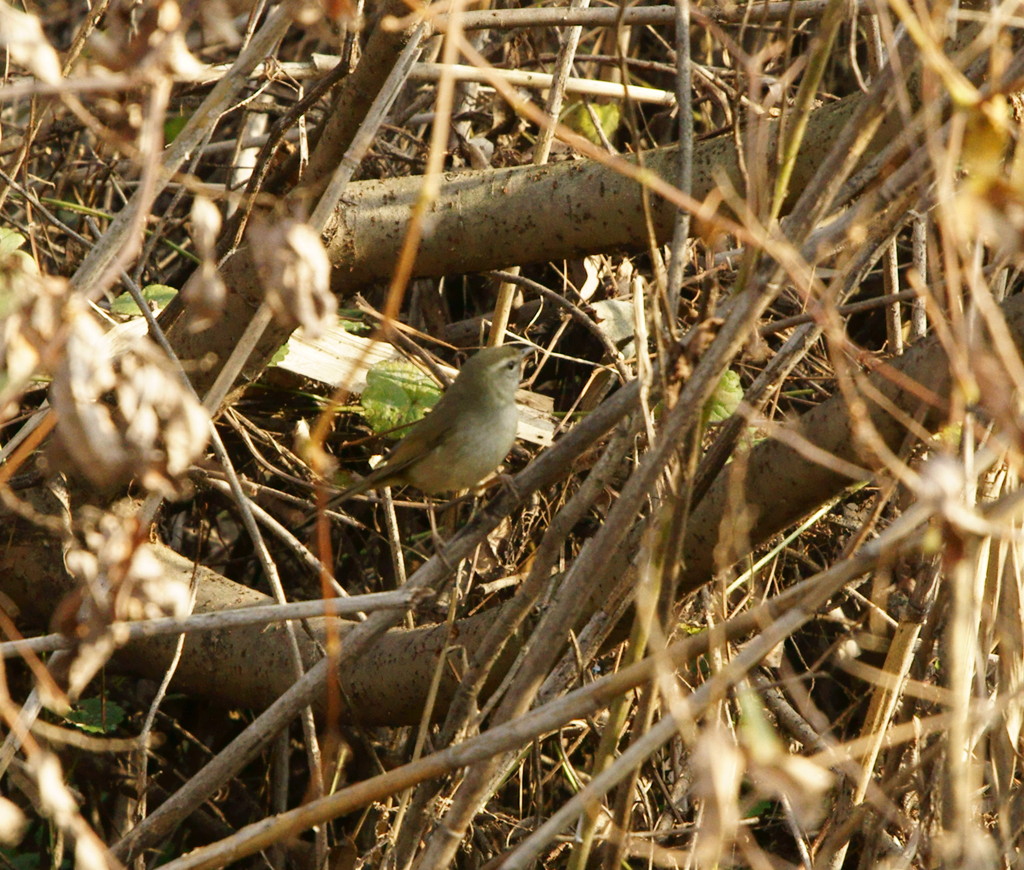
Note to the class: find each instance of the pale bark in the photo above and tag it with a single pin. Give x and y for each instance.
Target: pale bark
(248, 666)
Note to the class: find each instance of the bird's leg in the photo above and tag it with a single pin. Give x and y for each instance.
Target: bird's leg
(508, 483)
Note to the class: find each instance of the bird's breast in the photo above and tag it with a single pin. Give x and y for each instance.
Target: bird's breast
(470, 452)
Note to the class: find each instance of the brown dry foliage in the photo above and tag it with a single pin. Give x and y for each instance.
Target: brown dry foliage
(790, 639)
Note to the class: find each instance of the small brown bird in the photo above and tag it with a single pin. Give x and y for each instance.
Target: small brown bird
(465, 436)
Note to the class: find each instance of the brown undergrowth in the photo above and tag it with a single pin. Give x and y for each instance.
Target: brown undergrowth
(747, 592)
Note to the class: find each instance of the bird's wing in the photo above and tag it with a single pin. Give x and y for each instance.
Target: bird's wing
(427, 434)
(424, 437)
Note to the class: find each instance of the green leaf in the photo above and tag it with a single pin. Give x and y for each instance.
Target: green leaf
(350, 319)
(760, 808)
(397, 394)
(279, 355)
(578, 119)
(756, 731)
(173, 126)
(10, 241)
(96, 716)
(11, 256)
(18, 859)
(158, 295)
(726, 399)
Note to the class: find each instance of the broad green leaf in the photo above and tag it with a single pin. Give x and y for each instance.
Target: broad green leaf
(11, 255)
(157, 294)
(397, 394)
(350, 320)
(10, 241)
(93, 715)
(279, 355)
(579, 120)
(173, 126)
(726, 399)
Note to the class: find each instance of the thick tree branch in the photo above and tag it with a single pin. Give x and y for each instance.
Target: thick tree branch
(388, 685)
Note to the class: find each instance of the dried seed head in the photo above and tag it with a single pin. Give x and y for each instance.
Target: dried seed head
(295, 272)
(125, 417)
